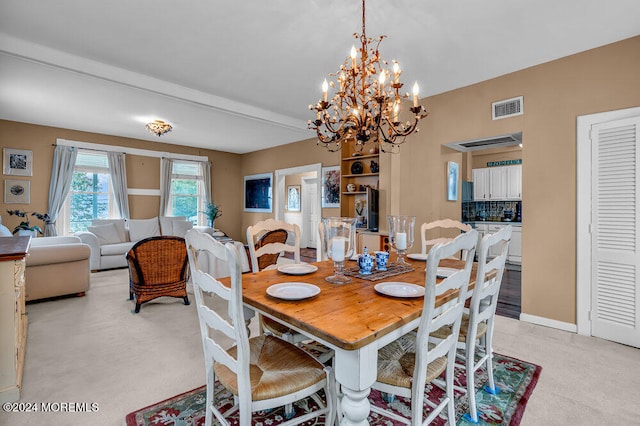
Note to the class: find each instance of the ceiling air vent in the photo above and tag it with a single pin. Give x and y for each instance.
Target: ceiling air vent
(487, 143)
(507, 108)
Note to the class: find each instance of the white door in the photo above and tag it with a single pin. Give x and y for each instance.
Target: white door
(310, 216)
(615, 237)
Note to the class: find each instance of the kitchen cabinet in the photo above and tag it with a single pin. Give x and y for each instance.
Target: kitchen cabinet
(497, 183)
(515, 247)
(514, 182)
(13, 316)
(480, 184)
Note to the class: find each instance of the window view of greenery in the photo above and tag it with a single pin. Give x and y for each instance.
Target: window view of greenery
(89, 195)
(184, 190)
(184, 199)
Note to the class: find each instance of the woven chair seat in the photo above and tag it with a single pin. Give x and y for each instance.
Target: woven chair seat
(444, 332)
(396, 363)
(276, 368)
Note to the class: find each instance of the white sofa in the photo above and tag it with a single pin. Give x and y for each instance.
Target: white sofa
(56, 266)
(111, 239)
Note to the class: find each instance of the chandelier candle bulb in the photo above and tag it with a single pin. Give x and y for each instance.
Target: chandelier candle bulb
(354, 56)
(325, 87)
(401, 240)
(337, 249)
(416, 90)
(396, 73)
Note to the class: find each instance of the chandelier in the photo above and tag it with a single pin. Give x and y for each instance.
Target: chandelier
(367, 103)
(158, 127)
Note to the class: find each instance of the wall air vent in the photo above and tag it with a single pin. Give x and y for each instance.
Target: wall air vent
(487, 143)
(507, 108)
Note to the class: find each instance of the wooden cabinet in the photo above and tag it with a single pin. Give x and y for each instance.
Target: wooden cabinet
(13, 319)
(497, 183)
(374, 241)
(515, 247)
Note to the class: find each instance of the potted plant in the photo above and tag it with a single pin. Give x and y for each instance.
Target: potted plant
(212, 211)
(25, 227)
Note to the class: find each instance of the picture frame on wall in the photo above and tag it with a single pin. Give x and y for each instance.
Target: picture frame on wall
(293, 198)
(17, 162)
(331, 187)
(258, 190)
(453, 171)
(17, 191)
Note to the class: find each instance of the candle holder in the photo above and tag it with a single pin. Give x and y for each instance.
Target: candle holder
(401, 236)
(338, 243)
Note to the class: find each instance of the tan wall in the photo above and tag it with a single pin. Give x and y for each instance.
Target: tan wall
(481, 158)
(142, 172)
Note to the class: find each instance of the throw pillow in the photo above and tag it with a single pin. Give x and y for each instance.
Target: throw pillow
(139, 229)
(118, 223)
(4, 231)
(107, 234)
(181, 227)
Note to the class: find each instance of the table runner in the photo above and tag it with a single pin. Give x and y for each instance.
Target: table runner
(392, 270)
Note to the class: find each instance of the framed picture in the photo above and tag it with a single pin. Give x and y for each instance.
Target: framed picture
(331, 187)
(452, 181)
(16, 191)
(293, 198)
(258, 193)
(18, 162)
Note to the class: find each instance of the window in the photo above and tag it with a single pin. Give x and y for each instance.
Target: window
(187, 191)
(90, 196)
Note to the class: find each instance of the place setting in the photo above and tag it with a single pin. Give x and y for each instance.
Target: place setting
(293, 291)
(297, 268)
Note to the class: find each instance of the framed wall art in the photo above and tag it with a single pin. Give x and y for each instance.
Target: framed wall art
(293, 198)
(17, 162)
(452, 180)
(17, 191)
(258, 193)
(331, 187)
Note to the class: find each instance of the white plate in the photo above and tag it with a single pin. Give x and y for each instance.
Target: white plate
(417, 256)
(293, 291)
(445, 272)
(297, 268)
(400, 289)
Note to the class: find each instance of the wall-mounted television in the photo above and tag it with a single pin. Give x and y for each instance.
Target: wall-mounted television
(373, 209)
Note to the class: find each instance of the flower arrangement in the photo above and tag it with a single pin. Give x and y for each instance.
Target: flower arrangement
(212, 211)
(25, 225)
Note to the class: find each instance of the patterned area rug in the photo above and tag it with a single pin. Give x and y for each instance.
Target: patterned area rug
(515, 378)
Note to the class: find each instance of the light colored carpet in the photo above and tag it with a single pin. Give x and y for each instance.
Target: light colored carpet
(93, 350)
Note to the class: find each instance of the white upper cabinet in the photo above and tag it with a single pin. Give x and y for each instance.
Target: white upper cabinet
(514, 182)
(481, 184)
(497, 183)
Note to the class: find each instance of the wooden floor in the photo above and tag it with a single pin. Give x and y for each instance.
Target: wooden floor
(508, 300)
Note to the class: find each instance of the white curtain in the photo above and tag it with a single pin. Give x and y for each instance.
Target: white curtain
(118, 173)
(206, 180)
(64, 161)
(166, 170)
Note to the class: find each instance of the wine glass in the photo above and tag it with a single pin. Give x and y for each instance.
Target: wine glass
(401, 235)
(338, 243)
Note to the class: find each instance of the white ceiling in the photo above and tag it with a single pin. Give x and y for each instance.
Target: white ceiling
(238, 76)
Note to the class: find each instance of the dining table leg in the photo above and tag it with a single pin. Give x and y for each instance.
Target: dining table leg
(356, 371)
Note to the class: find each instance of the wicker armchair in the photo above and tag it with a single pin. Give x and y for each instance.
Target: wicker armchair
(157, 267)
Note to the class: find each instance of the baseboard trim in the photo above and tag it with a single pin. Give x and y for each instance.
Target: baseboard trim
(547, 322)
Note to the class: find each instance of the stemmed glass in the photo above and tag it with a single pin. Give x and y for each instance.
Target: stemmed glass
(401, 235)
(338, 243)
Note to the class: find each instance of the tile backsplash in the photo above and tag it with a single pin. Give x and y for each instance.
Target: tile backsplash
(492, 211)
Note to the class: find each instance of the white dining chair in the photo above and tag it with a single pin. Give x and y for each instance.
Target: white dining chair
(262, 372)
(273, 249)
(265, 253)
(442, 226)
(408, 364)
(476, 332)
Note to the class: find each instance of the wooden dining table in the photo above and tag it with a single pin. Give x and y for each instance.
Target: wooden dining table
(353, 319)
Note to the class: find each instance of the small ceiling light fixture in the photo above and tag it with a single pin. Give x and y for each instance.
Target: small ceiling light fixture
(159, 127)
(367, 102)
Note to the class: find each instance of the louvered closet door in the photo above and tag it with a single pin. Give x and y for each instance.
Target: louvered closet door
(615, 278)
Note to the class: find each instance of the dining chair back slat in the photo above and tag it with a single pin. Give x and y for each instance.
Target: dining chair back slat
(449, 227)
(291, 244)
